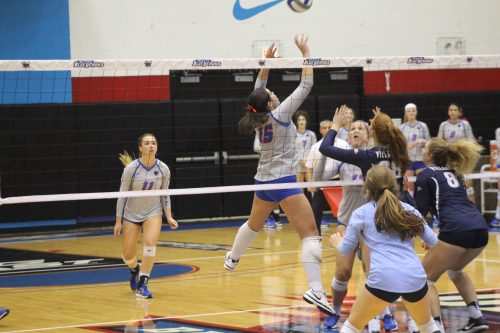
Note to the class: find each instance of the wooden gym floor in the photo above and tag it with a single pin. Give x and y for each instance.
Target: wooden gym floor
(75, 282)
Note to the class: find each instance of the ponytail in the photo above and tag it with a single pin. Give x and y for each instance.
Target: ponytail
(125, 158)
(390, 216)
(461, 155)
(256, 111)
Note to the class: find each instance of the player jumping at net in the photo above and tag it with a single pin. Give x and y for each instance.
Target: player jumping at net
(463, 232)
(277, 164)
(142, 213)
(388, 227)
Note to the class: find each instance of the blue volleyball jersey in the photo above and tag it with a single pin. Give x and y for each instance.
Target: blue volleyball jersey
(438, 190)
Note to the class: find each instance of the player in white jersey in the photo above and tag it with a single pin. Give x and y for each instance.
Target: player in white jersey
(416, 134)
(304, 140)
(388, 227)
(456, 128)
(277, 164)
(318, 201)
(142, 213)
(495, 222)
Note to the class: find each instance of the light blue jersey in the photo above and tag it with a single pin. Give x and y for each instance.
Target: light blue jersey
(394, 265)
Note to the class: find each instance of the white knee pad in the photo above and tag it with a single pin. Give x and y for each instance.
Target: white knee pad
(339, 285)
(470, 190)
(149, 251)
(454, 274)
(311, 249)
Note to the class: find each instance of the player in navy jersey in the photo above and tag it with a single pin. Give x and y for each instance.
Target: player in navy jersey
(277, 164)
(388, 227)
(463, 232)
(390, 145)
(142, 213)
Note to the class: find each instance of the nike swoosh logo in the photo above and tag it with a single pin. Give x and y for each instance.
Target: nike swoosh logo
(241, 13)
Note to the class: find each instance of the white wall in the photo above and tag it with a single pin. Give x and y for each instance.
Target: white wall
(207, 28)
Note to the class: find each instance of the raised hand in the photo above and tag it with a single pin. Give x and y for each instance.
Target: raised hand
(271, 51)
(301, 42)
(340, 118)
(336, 239)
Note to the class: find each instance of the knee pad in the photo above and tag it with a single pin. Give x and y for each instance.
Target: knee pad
(339, 285)
(149, 251)
(470, 190)
(130, 261)
(311, 249)
(454, 274)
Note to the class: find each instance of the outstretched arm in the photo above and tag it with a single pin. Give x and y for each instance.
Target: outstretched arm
(264, 72)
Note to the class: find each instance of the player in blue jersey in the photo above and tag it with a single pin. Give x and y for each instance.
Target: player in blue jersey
(388, 227)
(134, 215)
(463, 232)
(277, 164)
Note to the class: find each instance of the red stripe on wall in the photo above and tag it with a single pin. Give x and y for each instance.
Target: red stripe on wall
(121, 88)
(431, 80)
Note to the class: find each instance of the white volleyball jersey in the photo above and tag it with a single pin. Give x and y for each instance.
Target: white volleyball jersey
(452, 132)
(136, 177)
(418, 134)
(277, 135)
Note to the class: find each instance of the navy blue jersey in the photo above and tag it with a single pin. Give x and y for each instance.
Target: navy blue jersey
(439, 191)
(363, 159)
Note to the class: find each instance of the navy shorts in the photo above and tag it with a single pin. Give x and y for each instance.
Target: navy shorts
(391, 297)
(416, 165)
(470, 239)
(278, 195)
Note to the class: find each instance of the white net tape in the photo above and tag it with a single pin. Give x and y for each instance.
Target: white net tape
(199, 190)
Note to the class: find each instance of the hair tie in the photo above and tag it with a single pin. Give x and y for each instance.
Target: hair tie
(251, 108)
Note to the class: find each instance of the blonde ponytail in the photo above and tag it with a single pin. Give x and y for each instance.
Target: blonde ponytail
(125, 158)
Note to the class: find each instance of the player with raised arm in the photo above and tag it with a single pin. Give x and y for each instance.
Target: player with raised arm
(134, 215)
(277, 164)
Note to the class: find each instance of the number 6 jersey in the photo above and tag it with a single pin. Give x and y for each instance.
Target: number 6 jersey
(136, 177)
(439, 191)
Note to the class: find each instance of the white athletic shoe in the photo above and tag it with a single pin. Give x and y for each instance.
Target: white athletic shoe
(229, 263)
(318, 299)
(412, 326)
(374, 325)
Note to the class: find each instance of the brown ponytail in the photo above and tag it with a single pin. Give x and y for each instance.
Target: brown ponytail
(255, 111)
(390, 217)
(386, 133)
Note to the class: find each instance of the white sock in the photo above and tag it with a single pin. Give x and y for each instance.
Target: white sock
(276, 211)
(311, 259)
(474, 311)
(428, 327)
(497, 213)
(439, 324)
(242, 241)
(349, 328)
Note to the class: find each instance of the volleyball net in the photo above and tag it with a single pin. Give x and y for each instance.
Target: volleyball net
(64, 122)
